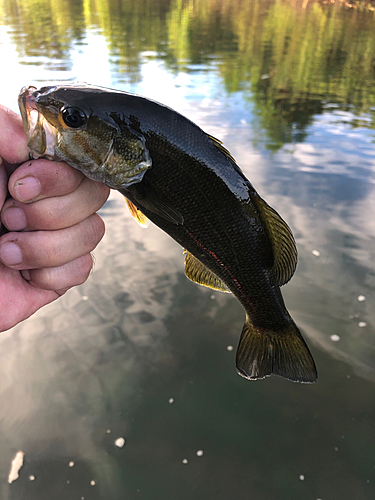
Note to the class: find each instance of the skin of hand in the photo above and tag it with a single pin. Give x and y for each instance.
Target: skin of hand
(49, 210)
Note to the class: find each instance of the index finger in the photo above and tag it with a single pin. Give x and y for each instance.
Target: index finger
(13, 143)
(38, 179)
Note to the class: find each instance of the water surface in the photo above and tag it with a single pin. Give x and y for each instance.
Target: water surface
(142, 353)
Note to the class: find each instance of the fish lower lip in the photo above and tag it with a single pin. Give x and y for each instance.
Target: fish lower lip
(26, 101)
(40, 136)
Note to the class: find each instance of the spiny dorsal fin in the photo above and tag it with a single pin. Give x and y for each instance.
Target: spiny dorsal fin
(197, 272)
(283, 244)
(137, 214)
(221, 148)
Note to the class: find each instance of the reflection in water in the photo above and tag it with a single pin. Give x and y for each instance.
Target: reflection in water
(291, 57)
(290, 91)
(95, 367)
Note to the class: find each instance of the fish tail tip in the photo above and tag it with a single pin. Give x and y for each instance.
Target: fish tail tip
(262, 353)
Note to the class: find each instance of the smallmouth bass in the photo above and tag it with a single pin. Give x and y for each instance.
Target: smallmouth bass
(172, 173)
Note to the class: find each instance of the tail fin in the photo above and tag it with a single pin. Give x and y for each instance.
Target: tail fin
(262, 353)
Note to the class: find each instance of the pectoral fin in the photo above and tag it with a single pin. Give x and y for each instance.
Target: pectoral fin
(147, 198)
(137, 214)
(197, 272)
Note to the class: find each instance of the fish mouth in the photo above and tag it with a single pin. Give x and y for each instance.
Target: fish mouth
(40, 134)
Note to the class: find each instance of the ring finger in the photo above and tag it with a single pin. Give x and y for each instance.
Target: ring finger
(41, 249)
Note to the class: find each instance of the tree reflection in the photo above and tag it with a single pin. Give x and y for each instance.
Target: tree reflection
(287, 58)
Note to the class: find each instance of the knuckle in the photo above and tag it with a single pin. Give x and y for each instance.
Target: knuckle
(61, 278)
(96, 193)
(95, 230)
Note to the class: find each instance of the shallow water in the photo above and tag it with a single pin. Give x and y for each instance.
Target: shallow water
(142, 353)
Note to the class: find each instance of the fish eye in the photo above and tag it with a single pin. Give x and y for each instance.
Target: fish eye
(74, 117)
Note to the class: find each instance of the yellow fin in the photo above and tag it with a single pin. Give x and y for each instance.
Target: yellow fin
(197, 272)
(283, 244)
(137, 214)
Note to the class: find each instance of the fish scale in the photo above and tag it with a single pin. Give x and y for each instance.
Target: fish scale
(210, 225)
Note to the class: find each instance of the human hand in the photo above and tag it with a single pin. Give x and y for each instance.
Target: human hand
(52, 222)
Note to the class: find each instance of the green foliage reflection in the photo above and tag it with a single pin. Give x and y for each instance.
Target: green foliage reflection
(287, 57)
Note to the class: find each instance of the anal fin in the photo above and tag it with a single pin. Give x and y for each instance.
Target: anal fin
(199, 273)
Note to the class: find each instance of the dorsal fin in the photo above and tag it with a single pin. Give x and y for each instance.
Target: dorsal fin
(221, 148)
(283, 244)
(137, 214)
(197, 272)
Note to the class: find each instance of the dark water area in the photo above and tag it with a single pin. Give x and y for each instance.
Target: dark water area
(141, 353)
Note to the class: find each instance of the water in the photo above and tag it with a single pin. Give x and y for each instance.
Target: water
(139, 352)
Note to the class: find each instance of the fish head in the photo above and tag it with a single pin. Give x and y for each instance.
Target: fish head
(80, 124)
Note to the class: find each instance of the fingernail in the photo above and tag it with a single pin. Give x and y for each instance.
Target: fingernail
(27, 188)
(10, 254)
(14, 219)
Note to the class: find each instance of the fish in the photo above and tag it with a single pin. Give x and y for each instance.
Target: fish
(186, 182)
